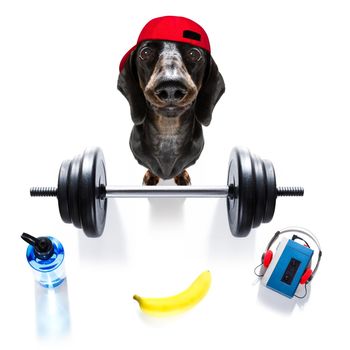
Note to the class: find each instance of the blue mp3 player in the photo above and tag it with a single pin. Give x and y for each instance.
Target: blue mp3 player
(287, 267)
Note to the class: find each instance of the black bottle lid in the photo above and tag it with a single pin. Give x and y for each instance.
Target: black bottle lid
(43, 248)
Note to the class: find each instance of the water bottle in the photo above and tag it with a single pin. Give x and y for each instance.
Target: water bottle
(45, 256)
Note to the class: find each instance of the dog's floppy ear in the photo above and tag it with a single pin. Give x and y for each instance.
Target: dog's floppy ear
(209, 94)
(128, 85)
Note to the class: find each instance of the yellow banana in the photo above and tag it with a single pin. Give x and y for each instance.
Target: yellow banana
(177, 303)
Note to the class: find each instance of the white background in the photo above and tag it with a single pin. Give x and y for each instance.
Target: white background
(286, 68)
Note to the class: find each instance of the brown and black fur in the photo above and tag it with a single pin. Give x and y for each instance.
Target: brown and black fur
(172, 89)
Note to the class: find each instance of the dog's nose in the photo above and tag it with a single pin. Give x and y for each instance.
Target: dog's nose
(171, 91)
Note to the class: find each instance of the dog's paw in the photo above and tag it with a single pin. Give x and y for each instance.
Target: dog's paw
(150, 179)
(183, 179)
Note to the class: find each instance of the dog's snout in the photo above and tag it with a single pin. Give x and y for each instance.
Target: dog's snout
(171, 92)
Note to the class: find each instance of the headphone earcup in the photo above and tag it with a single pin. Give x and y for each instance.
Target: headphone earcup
(306, 276)
(266, 258)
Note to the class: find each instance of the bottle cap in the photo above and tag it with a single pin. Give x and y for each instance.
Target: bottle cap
(43, 248)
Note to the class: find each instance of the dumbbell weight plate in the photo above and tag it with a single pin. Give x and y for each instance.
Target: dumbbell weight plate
(92, 207)
(271, 191)
(73, 191)
(240, 206)
(260, 190)
(62, 194)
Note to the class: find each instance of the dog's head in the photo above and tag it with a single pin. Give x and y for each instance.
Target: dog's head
(170, 77)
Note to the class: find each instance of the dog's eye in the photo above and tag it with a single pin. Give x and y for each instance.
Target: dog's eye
(146, 54)
(193, 55)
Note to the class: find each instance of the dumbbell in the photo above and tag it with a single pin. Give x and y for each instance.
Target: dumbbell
(82, 191)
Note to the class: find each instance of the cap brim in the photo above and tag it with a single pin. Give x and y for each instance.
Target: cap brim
(125, 58)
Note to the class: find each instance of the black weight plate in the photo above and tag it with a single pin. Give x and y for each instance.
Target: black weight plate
(260, 191)
(240, 208)
(62, 192)
(73, 191)
(93, 208)
(271, 190)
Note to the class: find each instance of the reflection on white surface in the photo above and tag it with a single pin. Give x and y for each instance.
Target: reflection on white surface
(111, 246)
(52, 311)
(222, 244)
(167, 212)
(159, 322)
(281, 303)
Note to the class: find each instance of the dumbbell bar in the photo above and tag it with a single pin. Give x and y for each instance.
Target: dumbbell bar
(82, 192)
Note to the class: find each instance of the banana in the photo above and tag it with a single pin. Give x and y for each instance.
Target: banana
(177, 303)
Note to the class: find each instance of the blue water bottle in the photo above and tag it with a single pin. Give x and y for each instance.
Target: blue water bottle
(45, 256)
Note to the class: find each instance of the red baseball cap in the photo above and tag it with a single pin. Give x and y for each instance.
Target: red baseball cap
(171, 28)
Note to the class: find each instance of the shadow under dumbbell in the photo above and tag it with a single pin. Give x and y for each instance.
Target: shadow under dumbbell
(111, 246)
(222, 244)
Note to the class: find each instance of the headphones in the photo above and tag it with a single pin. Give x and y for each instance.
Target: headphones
(267, 256)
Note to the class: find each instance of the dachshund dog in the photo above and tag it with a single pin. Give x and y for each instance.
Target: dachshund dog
(172, 88)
